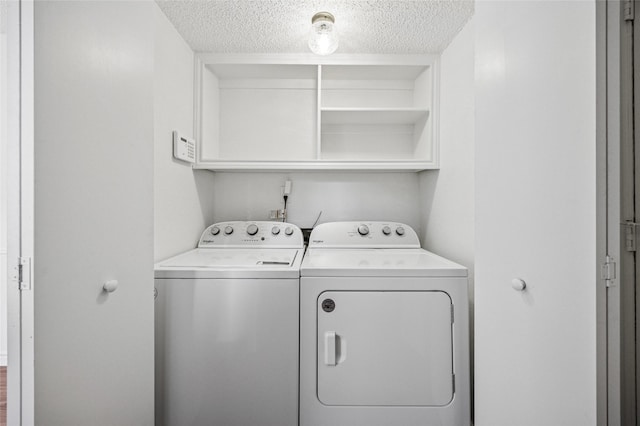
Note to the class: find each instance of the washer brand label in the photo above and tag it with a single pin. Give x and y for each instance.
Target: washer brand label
(317, 241)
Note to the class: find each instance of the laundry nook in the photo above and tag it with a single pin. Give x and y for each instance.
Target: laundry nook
(319, 213)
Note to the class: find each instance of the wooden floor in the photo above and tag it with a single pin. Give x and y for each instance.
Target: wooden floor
(3, 396)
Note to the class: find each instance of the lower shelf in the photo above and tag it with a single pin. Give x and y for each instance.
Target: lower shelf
(317, 165)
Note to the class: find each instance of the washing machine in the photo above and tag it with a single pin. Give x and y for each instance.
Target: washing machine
(384, 330)
(227, 328)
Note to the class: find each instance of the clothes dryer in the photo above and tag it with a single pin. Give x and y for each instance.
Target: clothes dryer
(384, 330)
(227, 328)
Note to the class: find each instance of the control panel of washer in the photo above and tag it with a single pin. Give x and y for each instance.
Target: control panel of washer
(252, 234)
(364, 235)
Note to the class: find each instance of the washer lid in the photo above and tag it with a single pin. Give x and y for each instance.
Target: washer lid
(378, 263)
(231, 263)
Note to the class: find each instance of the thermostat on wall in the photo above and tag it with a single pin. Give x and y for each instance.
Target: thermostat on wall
(184, 148)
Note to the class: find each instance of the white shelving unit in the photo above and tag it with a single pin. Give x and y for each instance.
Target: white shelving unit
(266, 112)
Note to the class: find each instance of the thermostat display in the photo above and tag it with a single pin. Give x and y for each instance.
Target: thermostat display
(184, 148)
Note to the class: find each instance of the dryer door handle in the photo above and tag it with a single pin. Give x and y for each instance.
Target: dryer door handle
(330, 347)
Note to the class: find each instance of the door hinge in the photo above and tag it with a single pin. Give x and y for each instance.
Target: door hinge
(608, 271)
(24, 273)
(628, 10)
(630, 239)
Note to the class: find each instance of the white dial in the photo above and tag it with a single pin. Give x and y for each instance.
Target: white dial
(363, 230)
(400, 230)
(252, 229)
(228, 230)
(215, 230)
(386, 230)
(288, 230)
(275, 230)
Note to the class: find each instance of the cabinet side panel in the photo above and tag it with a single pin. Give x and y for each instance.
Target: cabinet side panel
(423, 138)
(422, 91)
(210, 120)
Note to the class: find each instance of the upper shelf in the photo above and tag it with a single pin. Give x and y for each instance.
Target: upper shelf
(373, 116)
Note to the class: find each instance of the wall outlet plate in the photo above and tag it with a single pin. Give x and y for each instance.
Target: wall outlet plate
(276, 214)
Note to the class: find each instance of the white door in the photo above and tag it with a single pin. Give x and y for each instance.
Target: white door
(385, 348)
(93, 156)
(536, 201)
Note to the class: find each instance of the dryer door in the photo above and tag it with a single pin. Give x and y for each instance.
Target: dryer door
(385, 348)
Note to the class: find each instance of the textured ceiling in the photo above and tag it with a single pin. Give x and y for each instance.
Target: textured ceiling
(282, 26)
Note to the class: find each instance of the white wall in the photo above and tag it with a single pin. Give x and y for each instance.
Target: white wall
(93, 213)
(183, 204)
(340, 196)
(535, 351)
(447, 195)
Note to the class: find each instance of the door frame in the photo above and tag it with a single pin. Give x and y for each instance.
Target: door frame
(20, 213)
(636, 141)
(629, 163)
(615, 329)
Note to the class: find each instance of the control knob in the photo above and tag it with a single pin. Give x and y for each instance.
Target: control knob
(400, 230)
(228, 230)
(275, 230)
(288, 230)
(252, 229)
(363, 230)
(386, 230)
(215, 230)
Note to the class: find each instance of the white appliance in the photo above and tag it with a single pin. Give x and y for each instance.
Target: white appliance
(227, 328)
(384, 330)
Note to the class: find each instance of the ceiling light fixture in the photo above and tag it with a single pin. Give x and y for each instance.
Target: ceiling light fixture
(323, 39)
